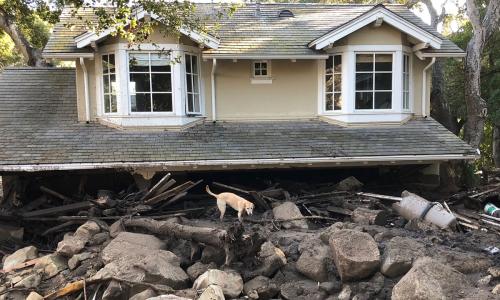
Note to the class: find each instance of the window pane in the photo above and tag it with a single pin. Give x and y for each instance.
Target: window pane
(364, 81)
(105, 82)
(364, 100)
(189, 83)
(105, 63)
(196, 89)
(263, 72)
(338, 101)
(329, 102)
(139, 62)
(197, 103)
(329, 83)
(364, 62)
(161, 82)
(140, 102)
(329, 65)
(106, 104)
(111, 63)
(194, 60)
(139, 82)
(188, 63)
(383, 81)
(162, 102)
(112, 78)
(338, 82)
(383, 62)
(160, 65)
(114, 106)
(383, 100)
(338, 63)
(190, 102)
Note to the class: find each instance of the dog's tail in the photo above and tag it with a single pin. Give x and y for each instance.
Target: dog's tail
(210, 192)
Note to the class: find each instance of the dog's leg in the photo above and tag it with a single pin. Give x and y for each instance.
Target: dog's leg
(240, 213)
(222, 208)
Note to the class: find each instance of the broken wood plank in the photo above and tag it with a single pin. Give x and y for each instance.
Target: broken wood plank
(235, 189)
(165, 187)
(59, 227)
(259, 200)
(156, 186)
(57, 209)
(468, 225)
(378, 196)
(490, 217)
(339, 210)
(48, 191)
(322, 195)
(22, 265)
(496, 187)
(167, 194)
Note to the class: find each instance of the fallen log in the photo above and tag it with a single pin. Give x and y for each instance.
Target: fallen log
(57, 209)
(48, 191)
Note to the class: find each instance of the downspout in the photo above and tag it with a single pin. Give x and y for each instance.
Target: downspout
(424, 87)
(86, 88)
(212, 78)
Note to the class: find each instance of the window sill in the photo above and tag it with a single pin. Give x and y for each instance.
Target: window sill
(150, 122)
(363, 119)
(261, 80)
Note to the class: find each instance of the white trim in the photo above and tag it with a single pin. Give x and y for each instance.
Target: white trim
(213, 92)
(265, 56)
(424, 87)
(372, 16)
(370, 48)
(261, 80)
(257, 163)
(198, 74)
(70, 56)
(268, 69)
(442, 54)
(87, 38)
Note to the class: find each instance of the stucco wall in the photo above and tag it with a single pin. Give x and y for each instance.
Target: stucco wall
(369, 35)
(80, 89)
(292, 94)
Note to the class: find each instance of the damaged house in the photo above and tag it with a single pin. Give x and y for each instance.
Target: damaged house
(273, 86)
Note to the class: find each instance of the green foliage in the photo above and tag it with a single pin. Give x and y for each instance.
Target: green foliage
(8, 53)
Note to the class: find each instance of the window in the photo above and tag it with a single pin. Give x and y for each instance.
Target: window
(150, 82)
(406, 82)
(192, 84)
(261, 69)
(373, 81)
(109, 83)
(333, 83)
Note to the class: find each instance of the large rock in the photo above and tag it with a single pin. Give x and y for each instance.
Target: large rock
(75, 261)
(261, 288)
(73, 244)
(51, 265)
(30, 281)
(34, 296)
(289, 210)
(349, 184)
(144, 295)
(314, 259)
(430, 279)
(168, 297)
(20, 256)
(399, 255)
(212, 292)
(271, 259)
(138, 258)
(230, 282)
(198, 268)
(355, 254)
(302, 290)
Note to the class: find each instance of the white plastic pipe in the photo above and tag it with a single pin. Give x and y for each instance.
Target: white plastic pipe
(86, 88)
(212, 79)
(424, 87)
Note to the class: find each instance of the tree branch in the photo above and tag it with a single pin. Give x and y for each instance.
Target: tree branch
(473, 14)
(491, 19)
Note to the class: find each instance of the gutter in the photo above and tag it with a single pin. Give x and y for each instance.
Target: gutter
(212, 80)
(424, 87)
(244, 163)
(86, 88)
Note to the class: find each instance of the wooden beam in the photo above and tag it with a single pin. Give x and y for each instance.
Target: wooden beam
(378, 22)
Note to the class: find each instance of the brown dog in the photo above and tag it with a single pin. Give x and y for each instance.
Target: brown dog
(235, 201)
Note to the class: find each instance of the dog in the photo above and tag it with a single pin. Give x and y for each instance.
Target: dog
(236, 202)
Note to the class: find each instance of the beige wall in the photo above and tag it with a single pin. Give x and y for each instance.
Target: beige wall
(80, 89)
(369, 35)
(292, 94)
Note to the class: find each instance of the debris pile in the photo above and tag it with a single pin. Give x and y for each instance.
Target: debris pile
(325, 242)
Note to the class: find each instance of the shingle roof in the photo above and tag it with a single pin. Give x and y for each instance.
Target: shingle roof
(245, 33)
(38, 126)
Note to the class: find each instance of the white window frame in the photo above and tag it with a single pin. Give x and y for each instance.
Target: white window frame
(325, 93)
(198, 70)
(108, 76)
(267, 68)
(393, 69)
(151, 88)
(406, 77)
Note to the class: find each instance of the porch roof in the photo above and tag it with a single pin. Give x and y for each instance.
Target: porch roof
(39, 131)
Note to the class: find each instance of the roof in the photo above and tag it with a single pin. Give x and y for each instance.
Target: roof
(248, 34)
(38, 127)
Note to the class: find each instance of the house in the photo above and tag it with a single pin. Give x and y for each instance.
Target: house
(273, 86)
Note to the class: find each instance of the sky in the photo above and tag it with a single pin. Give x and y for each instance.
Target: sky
(451, 7)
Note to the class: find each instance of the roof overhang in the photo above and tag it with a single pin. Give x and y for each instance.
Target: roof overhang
(375, 15)
(201, 38)
(263, 56)
(67, 56)
(313, 162)
(440, 54)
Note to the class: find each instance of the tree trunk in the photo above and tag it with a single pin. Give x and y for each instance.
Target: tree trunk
(32, 56)
(496, 145)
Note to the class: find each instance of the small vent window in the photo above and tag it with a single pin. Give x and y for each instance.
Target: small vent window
(285, 13)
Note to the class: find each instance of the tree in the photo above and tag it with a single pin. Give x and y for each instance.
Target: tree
(483, 29)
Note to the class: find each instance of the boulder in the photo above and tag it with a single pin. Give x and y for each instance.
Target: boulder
(330, 287)
(144, 295)
(261, 287)
(73, 244)
(302, 290)
(327, 232)
(399, 255)
(130, 244)
(20, 256)
(430, 279)
(51, 265)
(496, 290)
(484, 281)
(115, 290)
(494, 271)
(355, 254)
(198, 268)
(345, 294)
(213, 255)
(75, 261)
(313, 261)
(271, 259)
(288, 210)
(34, 296)
(30, 281)
(212, 292)
(351, 183)
(230, 282)
(168, 297)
